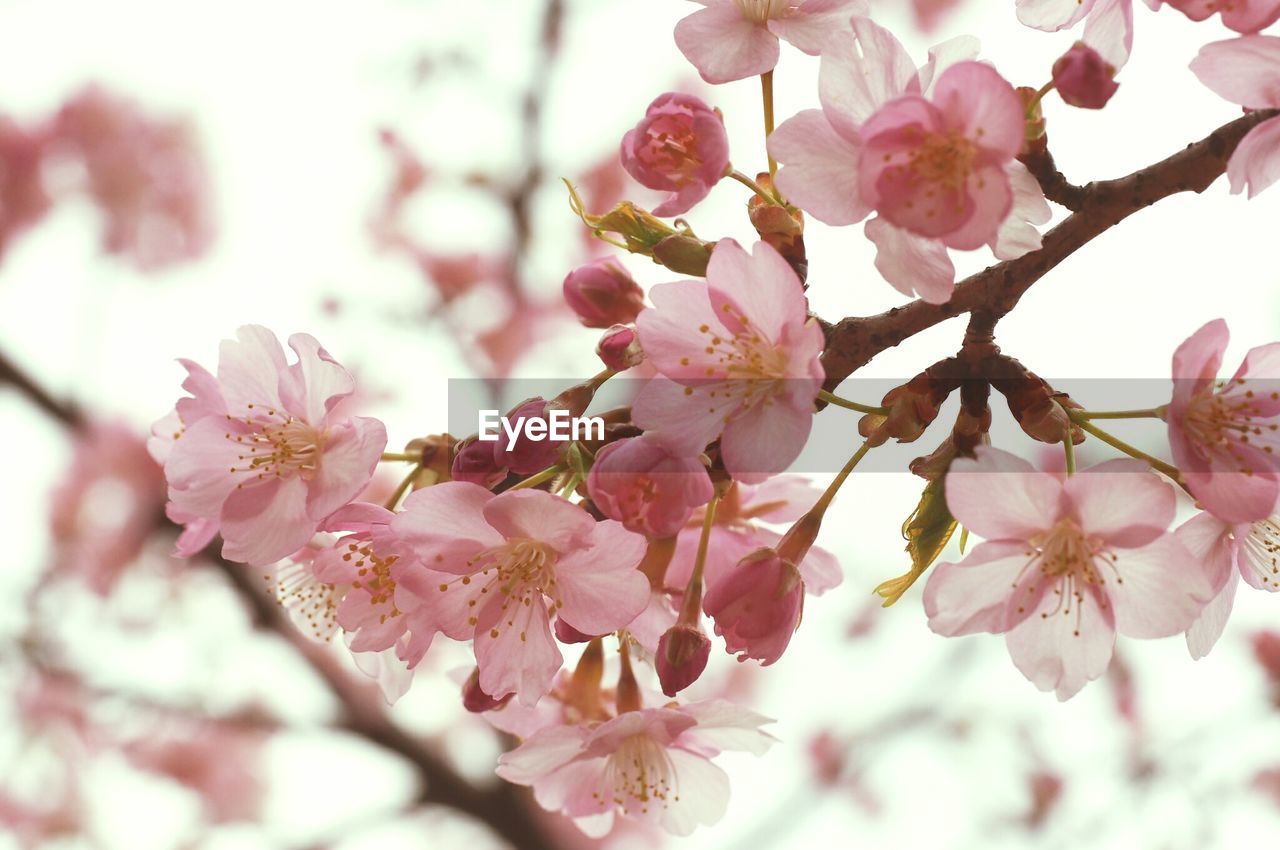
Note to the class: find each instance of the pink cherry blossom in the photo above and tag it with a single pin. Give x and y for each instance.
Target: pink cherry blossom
(106, 508)
(1224, 434)
(1243, 16)
(647, 486)
(680, 146)
(822, 151)
(513, 561)
(1246, 71)
(261, 451)
(1067, 563)
(367, 560)
(1246, 551)
(739, 360)
(218, 761)
(652, 765)
(314, 583)
(619, 348)
(735, 39)
(1108, 23)
(935, 167)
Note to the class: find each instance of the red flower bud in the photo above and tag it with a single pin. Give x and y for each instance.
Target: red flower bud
(1084, 78)
(682, 656)
(473, 462)
(602, 293)
(619, 348)
(476, 700)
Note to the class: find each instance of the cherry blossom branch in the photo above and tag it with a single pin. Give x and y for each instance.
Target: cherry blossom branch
(62, 411)
(854, 341)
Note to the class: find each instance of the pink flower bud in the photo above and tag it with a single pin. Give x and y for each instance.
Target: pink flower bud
(527, 456)
(477, 701)
(757, 606)
(1084, 78)
(680, 146)
(648, 487)
(473, 462)
(566, 633)
(619, 348)
(602, 293)
(682, 656)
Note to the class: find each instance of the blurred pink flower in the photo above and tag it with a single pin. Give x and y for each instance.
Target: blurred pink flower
(829, 174)
(260, 451)
(147, 176)
(1108, 23)
(514, 560)
(1223, 434)
(1246, 71)
(1230, 553)
(219, 762)
(1244, 16)
(739, 356)
(107, 506)
(23, 200)
(1066, 564)
(680, 146)
(652, 765)
(734, 39)
(648, 487)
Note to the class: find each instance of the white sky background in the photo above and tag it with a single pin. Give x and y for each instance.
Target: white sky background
(287, 97)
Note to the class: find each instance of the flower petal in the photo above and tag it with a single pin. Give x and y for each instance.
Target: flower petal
(724, 45)
(912, 264)
(820, 168)
(973, 595)
(1000, 496)
(1160, 589)
(1122, 501)
(1062, 652)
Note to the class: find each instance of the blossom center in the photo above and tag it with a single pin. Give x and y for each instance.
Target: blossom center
(755, 368)
(943, 160)
(641, 775)
(671, 148)
(374, 573)
(276, 445)
(759, 11)
(1069, 563)
(306, 598)
(522, 571)
(1226, 423)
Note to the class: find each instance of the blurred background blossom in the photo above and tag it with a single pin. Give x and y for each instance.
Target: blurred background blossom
(386, 176)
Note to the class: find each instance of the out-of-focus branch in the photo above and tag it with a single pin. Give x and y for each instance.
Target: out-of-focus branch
(852, 342)
(503, 808)
(63, 411)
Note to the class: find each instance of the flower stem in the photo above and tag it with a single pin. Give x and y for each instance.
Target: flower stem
(691, 608)
(753, 186)
(1145, 413)
(394, 501)
(1069, 449)
(766, 94)
(831, 398)
(539, 477)
(820, 506)
(1131, 451)
(408, 457)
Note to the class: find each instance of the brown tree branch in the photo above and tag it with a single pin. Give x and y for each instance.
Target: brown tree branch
(852, 342)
